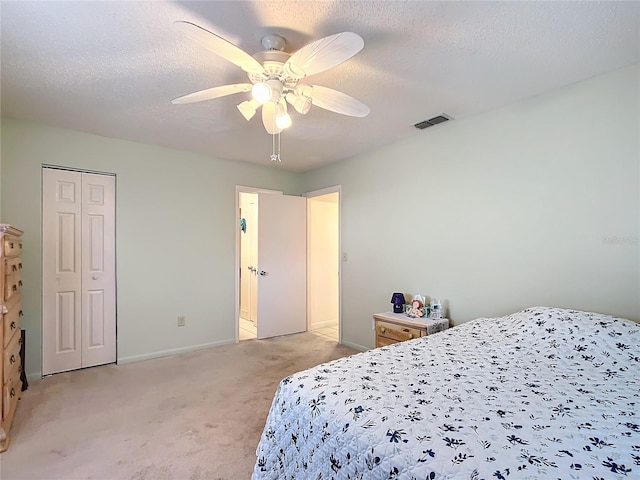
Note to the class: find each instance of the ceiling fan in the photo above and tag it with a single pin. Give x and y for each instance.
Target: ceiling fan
(275, 76)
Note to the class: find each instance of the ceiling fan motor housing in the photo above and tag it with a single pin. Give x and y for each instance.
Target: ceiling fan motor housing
(273, 41)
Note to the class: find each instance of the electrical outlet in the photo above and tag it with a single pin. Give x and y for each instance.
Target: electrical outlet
(181, 320)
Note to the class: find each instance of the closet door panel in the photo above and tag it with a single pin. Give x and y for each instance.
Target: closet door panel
(61, 270)
(98, 271)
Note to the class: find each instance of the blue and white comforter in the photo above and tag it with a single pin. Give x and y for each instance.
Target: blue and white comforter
(544, 393)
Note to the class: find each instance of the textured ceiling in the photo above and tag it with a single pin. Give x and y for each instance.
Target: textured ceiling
(111, 68)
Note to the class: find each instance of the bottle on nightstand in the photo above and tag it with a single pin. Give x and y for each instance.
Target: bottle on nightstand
(435, 309)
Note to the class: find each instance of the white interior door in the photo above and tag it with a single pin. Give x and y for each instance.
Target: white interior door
(282, 265)
(98, 270)
(61, 270)
(252, 225)
(78, 281)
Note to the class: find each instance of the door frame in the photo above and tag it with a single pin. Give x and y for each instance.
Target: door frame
(236, 216)
(318, 193)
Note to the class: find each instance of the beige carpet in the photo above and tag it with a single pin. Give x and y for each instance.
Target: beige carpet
(193, 416)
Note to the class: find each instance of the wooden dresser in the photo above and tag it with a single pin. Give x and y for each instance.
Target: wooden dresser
(10, 338)
(397, 327)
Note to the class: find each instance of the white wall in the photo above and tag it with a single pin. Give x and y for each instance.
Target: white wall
(537, 203)
(323, 252)
(175, 230)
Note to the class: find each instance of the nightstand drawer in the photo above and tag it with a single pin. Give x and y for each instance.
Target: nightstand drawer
(383, 341)
(399, 333)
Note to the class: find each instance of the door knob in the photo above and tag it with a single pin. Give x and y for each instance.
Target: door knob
(263, 273)
(94, 277)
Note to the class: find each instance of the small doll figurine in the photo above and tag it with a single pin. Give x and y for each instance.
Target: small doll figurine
(417, 307)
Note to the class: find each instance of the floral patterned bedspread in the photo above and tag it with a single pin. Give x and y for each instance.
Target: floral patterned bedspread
(545, 393)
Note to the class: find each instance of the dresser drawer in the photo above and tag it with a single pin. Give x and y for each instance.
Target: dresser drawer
(12, 358)
(11, 322)
(11, 394)
(396, 332)
(12, 285)
(12, 265)
(12, 246)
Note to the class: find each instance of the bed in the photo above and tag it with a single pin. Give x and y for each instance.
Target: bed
(544, 393)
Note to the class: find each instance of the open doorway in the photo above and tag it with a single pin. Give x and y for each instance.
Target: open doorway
(246, 260)
(248, 264)
(274, 274)
(323, 263)
(318, 305)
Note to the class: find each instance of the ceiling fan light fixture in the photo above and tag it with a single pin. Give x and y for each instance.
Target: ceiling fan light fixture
(283, 120)
(261, 92)
(247, 109)
(265, 91)
(301, 103)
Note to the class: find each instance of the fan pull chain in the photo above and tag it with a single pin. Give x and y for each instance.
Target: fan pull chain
(275, 150)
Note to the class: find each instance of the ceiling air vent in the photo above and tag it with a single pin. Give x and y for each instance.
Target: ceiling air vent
(432, 121)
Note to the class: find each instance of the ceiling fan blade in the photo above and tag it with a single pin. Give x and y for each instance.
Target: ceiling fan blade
(269, 118)
(220, 46)
(338, 102)
(211, 93)
(323, 54)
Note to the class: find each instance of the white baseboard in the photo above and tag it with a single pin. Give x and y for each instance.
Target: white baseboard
(36, 376)
(362, 348)
(172, 351)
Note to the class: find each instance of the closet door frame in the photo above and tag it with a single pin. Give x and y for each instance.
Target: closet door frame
(88, 336)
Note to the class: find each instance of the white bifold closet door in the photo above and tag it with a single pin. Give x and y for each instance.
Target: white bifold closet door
(78, 270)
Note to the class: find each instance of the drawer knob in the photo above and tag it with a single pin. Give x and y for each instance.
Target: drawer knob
(10, 244)
(12, 393)
(382, 329)
(12, 359)
(21, 314)
(20, 283)
(20, 266)
(13, 325)
(14, 268)
(14, 287)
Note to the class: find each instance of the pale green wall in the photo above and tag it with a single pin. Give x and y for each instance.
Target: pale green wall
(175, 228)
(537, 203)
